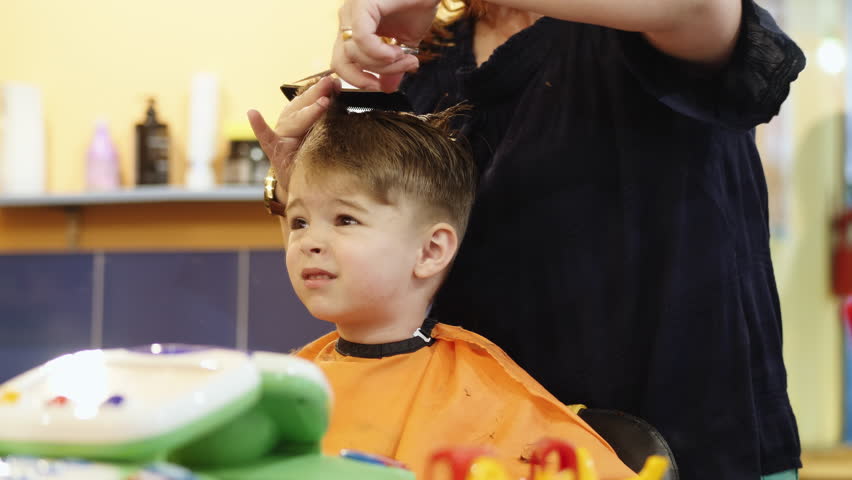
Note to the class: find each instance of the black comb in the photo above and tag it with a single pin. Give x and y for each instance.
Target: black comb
(362, 100)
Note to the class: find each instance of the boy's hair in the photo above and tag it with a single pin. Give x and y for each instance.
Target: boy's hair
(397, 153)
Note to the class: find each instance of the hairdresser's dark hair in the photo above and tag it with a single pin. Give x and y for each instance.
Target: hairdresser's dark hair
(449, 12)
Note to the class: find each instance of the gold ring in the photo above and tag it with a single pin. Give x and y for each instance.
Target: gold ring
(346, 33)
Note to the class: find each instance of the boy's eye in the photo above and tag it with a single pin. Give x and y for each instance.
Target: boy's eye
(298, 223)
(346, 220)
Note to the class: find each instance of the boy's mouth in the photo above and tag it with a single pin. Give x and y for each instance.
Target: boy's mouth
(315, 277)
(316, 273)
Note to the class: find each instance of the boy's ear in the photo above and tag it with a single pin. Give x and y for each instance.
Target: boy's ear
(437, 250)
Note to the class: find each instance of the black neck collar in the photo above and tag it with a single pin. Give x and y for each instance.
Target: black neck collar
(421, 338)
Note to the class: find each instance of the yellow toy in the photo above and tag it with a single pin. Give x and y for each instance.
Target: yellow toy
(485, 468)
(552, 459)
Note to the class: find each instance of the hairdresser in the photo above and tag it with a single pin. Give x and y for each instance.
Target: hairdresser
(619, 247)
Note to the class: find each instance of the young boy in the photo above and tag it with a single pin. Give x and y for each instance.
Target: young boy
(376, 206)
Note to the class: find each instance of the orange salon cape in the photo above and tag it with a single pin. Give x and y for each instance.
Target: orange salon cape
(462, 391)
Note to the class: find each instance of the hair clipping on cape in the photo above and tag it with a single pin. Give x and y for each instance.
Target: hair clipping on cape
(358, 101)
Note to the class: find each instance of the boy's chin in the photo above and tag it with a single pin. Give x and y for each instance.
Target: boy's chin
(324, 319)
(339, 318)
(331, 317)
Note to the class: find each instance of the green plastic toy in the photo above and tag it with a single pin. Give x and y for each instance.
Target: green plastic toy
(168, 412)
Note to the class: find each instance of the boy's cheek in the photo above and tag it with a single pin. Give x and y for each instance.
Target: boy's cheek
(290, 262)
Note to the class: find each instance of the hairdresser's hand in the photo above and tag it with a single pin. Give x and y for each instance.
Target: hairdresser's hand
(297, 117)
(408, 21)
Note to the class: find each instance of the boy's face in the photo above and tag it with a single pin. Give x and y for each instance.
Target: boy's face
(350, 258)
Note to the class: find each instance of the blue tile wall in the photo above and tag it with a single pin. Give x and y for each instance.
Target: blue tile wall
(277, 319)
(46, 303)
(186, 297)
(45, 309)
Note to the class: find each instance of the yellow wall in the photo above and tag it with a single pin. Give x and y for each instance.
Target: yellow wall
(97, 58)
(103, 58)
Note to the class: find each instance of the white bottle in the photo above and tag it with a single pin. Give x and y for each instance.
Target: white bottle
(22, 148)
(203, 129)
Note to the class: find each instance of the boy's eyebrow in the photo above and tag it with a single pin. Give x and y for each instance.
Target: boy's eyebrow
(293, 203)
(353, 205)
(296, 202)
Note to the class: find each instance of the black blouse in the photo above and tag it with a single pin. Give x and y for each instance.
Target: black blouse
(619, 245)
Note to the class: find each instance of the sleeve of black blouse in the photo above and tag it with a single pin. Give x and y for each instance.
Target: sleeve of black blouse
(748, 91)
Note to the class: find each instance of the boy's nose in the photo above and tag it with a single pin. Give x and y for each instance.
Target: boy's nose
(312, 244)
(311, 248)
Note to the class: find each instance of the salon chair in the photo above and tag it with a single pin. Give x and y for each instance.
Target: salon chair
(632, 438)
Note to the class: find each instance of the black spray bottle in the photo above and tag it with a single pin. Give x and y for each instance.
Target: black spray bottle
(152, 150)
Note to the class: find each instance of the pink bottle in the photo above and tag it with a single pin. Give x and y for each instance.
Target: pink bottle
(102, 161)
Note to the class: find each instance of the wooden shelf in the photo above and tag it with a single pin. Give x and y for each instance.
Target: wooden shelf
(107, 219)
(140, 194)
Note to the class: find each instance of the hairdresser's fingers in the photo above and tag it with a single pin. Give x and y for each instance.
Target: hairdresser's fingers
(300, 122)
(270, 138)
(278, 149)
(292, 132)
(341, 64)
(356, 77)
(325, 87)
(366, 48)
(352, 73)
(365, 24)
(399, 64)
(280, 145)
(350, 60)
(406, 21)
(265, 135)
(390, 83)
(405, 63)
